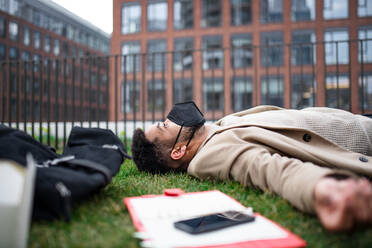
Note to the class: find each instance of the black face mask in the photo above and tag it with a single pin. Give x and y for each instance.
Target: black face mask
(186, 114)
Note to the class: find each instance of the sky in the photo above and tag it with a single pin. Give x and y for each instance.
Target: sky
(97, 12)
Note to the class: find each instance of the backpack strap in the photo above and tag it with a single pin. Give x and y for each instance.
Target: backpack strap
(71, 161)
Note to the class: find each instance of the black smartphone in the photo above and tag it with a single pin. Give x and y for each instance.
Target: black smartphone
(212, 222)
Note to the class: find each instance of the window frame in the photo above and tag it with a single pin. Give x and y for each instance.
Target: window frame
(129, 5)
(149, 25)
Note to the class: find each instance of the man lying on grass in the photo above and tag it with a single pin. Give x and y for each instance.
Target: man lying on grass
(311, 157)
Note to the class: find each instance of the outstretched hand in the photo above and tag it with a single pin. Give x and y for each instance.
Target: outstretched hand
(342, 204)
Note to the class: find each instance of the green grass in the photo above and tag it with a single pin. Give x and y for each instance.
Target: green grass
(104, 221)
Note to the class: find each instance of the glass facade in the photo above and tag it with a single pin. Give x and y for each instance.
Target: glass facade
(56, 47)
(303, 91)
(157, 16)
(365, 40)
(365, 91)
(26, 38)
(2, 51)
(272, 90)
(213, 90)
(211, 13)
(46, 18)
(241, 51)
(271, 11)
(338, 90)
(130, 61)
(183, 14)
(183, 55)
(212, 52)
(271, 49)
(335, 9)
(336, 46)
(182, 89)
(303, 10)
(13, 31)
(241, 12)
(130, 96)
(156, 95)
(2, 27)
(364, 8)
(13, 53)
(37, 39)
(303, 47)
(156, 56)
(47, 43)
(241, 93)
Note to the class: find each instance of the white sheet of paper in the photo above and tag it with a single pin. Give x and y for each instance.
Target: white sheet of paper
(158, 214)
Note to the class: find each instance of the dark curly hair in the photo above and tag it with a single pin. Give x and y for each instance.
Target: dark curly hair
(149, 156)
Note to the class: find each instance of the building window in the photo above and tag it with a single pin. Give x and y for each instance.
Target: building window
(70, 32)
(271, 11)
(364, 8)
(131, 18)
(13, 31)
(337, 90)
(26, 39)
(241, 51)
(130, 100)
(2, 51)
(37, 39)
(211, 13)
(336, 47)
(37, 64)
(335, 9)
(183, 14)
(14, 7)
(183, 56)
(241, 93)
(131, 60)
(303, 91)
(157, 16)
(303, 10)
(241, 12)
(303, 47)
(272, 90)
(271, 49)
(365, 91)
(2, 27)
(156, 55)
(56, 49)
(47, 43)
(182, 90)
(13, 53)
(65, 49)
(364, 35)
(25, 56)
(212, 52)
(156, 89)
(213, 91)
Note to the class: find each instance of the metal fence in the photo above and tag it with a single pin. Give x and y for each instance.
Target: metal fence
(47, 97)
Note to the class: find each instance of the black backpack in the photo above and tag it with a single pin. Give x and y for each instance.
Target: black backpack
(92, 156)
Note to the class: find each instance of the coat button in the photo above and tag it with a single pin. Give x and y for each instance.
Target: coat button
(363, 159)
(306, 137)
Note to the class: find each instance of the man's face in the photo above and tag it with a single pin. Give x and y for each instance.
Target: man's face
(166, 132)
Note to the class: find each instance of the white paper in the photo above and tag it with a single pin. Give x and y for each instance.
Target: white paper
(157, 215)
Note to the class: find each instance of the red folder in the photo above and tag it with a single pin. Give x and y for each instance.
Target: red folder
(291, 240)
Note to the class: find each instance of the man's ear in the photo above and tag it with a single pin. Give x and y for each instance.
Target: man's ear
(178, 152)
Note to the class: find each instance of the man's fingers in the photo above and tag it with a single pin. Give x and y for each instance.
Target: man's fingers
(341, 204)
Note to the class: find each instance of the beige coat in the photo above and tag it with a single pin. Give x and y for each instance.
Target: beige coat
(285, 151)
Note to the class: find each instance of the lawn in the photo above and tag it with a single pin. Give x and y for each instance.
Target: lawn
(104, 221)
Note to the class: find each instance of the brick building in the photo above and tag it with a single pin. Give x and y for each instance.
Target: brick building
(228, 55)
(48, 63)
